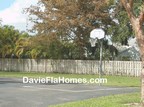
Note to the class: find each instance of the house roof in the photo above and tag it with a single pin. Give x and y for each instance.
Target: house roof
(131, 52)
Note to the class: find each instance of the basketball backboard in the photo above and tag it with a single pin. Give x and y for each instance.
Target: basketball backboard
(97, 33)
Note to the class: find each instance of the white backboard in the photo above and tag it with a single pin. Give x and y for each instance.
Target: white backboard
(97, 33)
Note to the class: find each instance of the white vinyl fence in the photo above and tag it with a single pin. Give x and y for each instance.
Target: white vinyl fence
(126, 68)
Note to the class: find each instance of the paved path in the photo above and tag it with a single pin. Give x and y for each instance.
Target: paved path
(13, 93)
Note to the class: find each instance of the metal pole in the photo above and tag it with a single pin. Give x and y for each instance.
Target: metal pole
(100, 67)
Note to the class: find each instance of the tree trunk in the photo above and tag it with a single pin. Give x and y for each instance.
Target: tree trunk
(142, 87)
(140, 40)
(142, 72)
(137, 23)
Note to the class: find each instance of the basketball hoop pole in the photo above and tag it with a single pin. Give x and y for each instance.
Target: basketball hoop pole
(100, 66)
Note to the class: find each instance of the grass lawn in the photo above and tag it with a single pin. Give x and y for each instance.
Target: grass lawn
(112, 80)
(108, 101)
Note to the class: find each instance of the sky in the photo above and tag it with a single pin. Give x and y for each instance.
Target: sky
(11, 13)
(4, 4)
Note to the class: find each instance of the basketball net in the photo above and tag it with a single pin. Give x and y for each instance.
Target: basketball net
(93, 42)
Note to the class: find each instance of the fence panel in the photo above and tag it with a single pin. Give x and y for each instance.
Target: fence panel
(126, 68)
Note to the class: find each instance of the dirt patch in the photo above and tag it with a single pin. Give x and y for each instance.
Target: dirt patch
(134, 105)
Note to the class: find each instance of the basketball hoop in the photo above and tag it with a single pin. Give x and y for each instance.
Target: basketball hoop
(94, 35)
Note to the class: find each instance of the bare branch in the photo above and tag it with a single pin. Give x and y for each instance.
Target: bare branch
(131, 3)
(141, 16)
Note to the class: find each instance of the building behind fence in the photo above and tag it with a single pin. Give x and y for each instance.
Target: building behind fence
(126, 68)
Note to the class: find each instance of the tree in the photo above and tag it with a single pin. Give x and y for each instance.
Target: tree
(23, 45)
(137, 22)
(45, 47)
(122, 30)
(70, 20)
(8, 37)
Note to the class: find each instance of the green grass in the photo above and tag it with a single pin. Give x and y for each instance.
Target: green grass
(112, 80)
(109, 101)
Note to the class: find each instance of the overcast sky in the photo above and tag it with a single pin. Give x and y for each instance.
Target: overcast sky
(11, 13)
